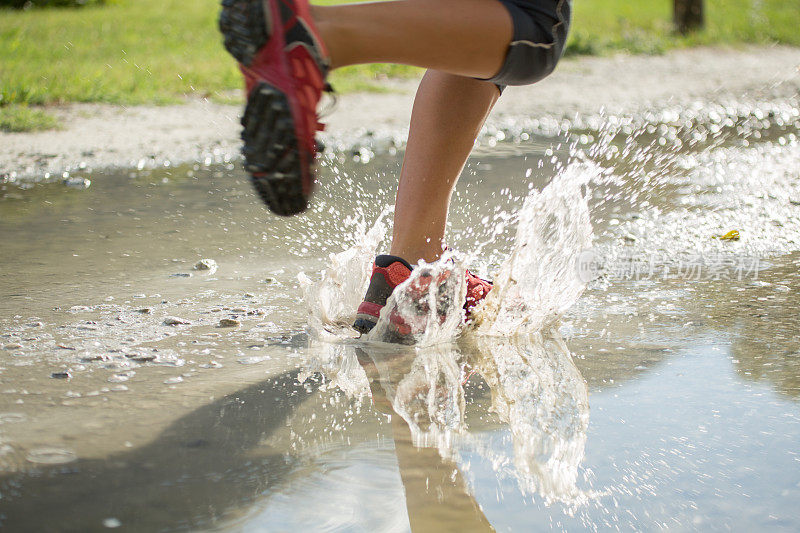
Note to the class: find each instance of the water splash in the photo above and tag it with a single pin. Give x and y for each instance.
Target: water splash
(536, 392)
(534, 284)
(541, 395)
(538, 281)
(332, 301)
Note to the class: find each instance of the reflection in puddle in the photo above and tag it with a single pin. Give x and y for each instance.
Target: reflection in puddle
(534, 390)
(245, 452)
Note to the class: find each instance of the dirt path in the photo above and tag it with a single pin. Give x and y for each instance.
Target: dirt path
(98, 136)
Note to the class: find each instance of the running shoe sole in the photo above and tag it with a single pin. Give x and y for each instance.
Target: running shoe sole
(244, 28)
(271, 151)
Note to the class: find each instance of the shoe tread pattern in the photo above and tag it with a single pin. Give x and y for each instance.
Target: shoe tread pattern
(271, 151)
(243, 26)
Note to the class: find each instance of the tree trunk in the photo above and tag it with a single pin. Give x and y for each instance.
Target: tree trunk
(688, 15)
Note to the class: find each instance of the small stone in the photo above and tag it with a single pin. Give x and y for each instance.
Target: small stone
(12, 346)
(141, 358)
(119, 388)
(36, 324)
(171, 381)
(116, 365)
(145, 310)
(628, 238)
(270, 280)
(65, 347)
(206, 264)
(229, 323)
(77, 183)
(181, 275)
(121, 377)
(64, 374)
(175, 321)
(211, 364)
(93, 358)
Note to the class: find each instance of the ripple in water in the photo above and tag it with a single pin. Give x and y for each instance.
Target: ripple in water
(51, 456)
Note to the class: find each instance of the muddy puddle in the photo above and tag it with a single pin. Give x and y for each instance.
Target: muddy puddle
(175, 358)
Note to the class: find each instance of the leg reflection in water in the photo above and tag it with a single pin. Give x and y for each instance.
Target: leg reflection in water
(437, 496)
(536, 392)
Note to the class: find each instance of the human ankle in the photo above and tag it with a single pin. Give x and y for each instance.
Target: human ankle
(413, 256)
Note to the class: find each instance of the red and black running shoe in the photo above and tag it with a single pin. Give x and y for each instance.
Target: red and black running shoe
(388, 272)
(284, 63)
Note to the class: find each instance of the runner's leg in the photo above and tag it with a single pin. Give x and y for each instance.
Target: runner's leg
(448, 113)
(457, 40)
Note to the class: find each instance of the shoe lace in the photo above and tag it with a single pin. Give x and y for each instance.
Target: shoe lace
(331, 103)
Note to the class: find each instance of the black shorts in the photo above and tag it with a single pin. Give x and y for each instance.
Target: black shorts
(540, 35)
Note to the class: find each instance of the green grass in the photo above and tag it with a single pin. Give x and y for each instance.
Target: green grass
(162, 51)
(18, 118)
(607, 26)
(135, 51)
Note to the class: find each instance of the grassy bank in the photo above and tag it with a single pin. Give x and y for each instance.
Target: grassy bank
(160, 51)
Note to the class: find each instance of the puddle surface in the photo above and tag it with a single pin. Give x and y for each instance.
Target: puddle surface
(652, 385)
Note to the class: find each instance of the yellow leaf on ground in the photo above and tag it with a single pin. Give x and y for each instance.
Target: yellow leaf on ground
(732, 235)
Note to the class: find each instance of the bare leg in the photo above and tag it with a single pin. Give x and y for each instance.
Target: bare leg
(448, 112)
(466, 37)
